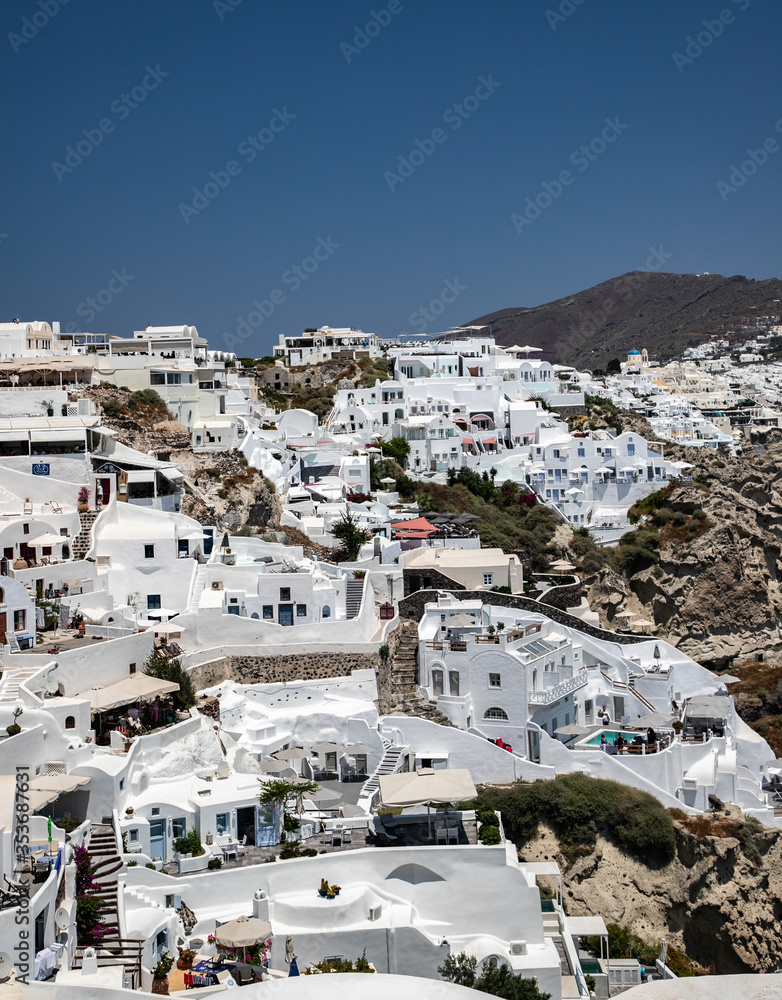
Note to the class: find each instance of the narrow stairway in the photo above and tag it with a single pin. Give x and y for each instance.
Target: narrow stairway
(199, 583)
(82, 543)
(112, 949)
(354, 591)
(390, 763)
(405, 692)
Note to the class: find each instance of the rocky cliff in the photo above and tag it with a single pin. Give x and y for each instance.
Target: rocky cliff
(715, 590)
(719, 900)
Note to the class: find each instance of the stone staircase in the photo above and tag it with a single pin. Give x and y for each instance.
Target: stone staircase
(354, 591)
(82, 543)
(404, 680)
(112, 950)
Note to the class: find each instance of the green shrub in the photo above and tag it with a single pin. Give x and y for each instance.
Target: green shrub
(149, 397)
(190, 843)
(112, 408)
(489, 834)
(578, 808)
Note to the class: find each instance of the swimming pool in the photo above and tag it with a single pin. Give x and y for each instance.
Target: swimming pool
(610, 735)
(591, 967)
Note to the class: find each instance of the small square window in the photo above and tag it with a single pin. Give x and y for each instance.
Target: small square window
(133, 836)
(495, 681)
(132, 668)
(153, 602)
(268, 611)
(285, 593)
(149, 551)
(26, 529)
(155, 810)
(301, 610)
(488, 579)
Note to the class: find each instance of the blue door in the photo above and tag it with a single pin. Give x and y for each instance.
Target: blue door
(286, 614)
(157, 839)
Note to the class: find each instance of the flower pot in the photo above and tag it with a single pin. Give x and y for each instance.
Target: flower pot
(83, 508)
(160, 986)
(330, 895)
(184, 963)
(321, 893)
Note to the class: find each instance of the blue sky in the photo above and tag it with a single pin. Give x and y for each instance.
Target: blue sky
(405, 154)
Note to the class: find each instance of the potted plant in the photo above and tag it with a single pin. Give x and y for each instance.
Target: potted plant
(48, 405)
(335, 889)
(84, 496)
(160, 974)
(186, 958)
(324, 888)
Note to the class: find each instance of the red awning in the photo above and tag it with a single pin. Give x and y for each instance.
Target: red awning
(418, 524)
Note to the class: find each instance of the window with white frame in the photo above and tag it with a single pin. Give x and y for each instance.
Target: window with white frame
(488, 579)
(496, 714)
(495, 681)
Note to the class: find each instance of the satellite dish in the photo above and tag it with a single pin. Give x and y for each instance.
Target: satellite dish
(51, 684)
(6, 966)
(62, 919)
(223, 770)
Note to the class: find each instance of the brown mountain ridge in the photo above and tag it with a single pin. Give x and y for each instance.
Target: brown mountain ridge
(665, 313)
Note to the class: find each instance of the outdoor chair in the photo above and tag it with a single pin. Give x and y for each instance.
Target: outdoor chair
(242, 845)
(347, 836)
(441, 835)
(10, 898)
(453, 834)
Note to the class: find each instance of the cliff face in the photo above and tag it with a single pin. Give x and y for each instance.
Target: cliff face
(711, 902)
(715, 593)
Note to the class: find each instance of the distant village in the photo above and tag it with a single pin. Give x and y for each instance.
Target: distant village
(238, 747)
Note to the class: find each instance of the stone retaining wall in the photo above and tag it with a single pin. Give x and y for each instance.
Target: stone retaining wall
(281, 668)
(271, 669)
(412, 607)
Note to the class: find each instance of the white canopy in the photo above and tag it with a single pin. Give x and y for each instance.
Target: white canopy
(412, 788)
(48, 539)
(137, 687)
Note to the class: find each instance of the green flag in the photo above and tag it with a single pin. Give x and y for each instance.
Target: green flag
(49, 827)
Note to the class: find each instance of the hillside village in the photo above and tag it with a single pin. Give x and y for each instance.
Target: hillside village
(288, 641)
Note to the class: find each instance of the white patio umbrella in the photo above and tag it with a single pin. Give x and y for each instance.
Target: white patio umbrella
(48, 539)
(653, 719)
(573, 491)
(142, 687)
(603, 469)
(388, 481)
(571, 730)
(168, 628)
(357, 748)
(625, 614)
(642, 623)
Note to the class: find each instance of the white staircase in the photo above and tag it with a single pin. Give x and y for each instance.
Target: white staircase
(199, 583)
(391, 762)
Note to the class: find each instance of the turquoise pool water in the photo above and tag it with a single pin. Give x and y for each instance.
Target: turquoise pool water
(591, 967)
(610, 735)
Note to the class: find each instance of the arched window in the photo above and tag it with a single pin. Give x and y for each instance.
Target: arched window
(437, 682)
(70, 722)
(399, 414)
(255, 615)
(2, 595)
(326, 611)
(499, 714)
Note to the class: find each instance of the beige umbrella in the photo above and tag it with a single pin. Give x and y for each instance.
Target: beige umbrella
(320, 748)
(48, 539)
(625, 614)
(46, 788)
(292, 753)
(642, 623)
(274, 766)
(143, 687)
(358, 748)
(414, 788)
(244, 932)
(168, 628)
